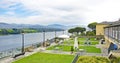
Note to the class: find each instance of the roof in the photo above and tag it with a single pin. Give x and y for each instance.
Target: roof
(106, 23)
(111, 24)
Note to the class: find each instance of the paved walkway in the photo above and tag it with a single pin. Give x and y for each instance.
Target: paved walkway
(104, 51)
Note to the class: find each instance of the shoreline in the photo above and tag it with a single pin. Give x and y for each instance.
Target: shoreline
(27, 33)
(12, 51)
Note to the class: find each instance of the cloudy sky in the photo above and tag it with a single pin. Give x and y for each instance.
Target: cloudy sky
(67, 12)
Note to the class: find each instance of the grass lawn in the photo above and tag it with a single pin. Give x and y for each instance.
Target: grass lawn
(82, 41)
(90, 49)
(70, 41)
(93, 39)
(61, 47)
(46, 58)
(92, 43)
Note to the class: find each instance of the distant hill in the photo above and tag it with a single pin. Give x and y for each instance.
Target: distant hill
(6, 25)
(50, 26)
(57, 26)
(38, 27)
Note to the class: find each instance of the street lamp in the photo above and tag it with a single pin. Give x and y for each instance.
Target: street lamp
(55, 36)
(55, 33)
(22, 51)
(63, 31)
(22, 42)
(43, 37)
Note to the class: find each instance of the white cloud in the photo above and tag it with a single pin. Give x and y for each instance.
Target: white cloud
(64, 11)
(7, 3)
(107, 11)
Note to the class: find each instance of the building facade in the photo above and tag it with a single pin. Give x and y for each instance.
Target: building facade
(112, 36)
(111, 33)
(100, 29)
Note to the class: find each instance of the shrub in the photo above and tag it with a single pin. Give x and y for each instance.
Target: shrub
(72, 49)
(90, 33)
(92, 59)
(115, 60)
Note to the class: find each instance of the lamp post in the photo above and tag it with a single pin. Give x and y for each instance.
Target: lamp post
(55, 33)
(22, 51)
(43, 37)
(55, 36)
(63, 31)
(22, 42)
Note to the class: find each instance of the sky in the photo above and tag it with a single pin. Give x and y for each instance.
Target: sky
(66, 12)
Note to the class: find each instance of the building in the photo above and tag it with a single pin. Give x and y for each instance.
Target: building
(112, 36)
(111, 33)
(100, 29)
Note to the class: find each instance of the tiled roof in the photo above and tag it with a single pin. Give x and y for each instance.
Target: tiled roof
(111, 23)
(116, 23)
(105, 22)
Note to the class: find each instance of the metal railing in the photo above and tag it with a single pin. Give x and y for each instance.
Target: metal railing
(75, 58)
(12, 52)
(116, 51)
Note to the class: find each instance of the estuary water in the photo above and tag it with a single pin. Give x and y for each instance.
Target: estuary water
(14, 41)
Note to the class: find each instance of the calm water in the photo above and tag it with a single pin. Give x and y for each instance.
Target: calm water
(13, 41)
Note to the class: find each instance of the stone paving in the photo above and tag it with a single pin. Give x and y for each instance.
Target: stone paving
(104, 51)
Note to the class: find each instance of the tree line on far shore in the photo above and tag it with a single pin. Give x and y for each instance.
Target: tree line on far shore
(26, 30)
(82, 31)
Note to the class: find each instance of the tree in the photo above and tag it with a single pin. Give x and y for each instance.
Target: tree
(72, 49)
(71, 30)
(80, 29)
(92, 26)
(83, 29)
(0, 31)
(4, 31)
(77, 29)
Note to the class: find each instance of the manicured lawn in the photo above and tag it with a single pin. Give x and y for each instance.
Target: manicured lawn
(69, 41)
(82, 41)
(90, 49)
(66, 46)
(60, 47)
(92, 43)
(46, 58)
(93, 39)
